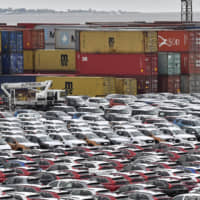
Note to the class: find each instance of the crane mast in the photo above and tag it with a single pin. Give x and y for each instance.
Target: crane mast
(186, 11)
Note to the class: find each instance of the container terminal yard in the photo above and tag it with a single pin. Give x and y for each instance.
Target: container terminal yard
(101, 110)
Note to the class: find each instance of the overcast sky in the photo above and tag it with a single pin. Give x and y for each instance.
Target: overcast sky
(125, 5)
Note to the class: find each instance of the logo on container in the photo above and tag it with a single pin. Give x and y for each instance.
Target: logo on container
(169, 42)
(64, 38)
(84, 58)
(68, 87)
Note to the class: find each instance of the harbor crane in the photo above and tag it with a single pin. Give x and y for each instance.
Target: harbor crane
(186, 11)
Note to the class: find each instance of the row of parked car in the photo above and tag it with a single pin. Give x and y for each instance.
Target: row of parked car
(120, 147)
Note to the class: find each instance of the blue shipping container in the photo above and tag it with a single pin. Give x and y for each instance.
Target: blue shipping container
(16, 79)
(4, 41)
(19, 42)
(12, 63)
(12, 41)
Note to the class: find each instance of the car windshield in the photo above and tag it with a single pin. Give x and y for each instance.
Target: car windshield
(178, 132)
(136, 133)
(101, 101)
(45, 139)
(156, 132)
(21, 140)
(69, 137)
(120, 111)
(91, 136)
(112, 135)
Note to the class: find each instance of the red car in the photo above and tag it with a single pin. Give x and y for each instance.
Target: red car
(111, 182)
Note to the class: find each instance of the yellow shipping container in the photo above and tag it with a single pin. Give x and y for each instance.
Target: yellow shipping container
(151, 41)
(28, 61)
(91, 86)
(118, 41)
(130, 42)
(55, 60)
(126, 86)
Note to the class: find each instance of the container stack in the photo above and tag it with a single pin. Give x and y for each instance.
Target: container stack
(129, 57)
(12, 52)
(190, 65)
(170, 44)
(120, 53)
(32, 41)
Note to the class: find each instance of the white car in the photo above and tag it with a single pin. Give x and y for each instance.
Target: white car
(136, 137)
(21, 140)
(4, 145)
(178, 134)
(67, 139)
(99, 102)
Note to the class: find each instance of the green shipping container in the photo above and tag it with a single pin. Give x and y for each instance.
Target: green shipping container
(169, 63)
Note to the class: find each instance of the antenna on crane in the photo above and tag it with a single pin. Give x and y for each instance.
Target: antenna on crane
(186, 11)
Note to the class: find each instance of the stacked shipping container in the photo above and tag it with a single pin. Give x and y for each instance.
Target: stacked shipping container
(170, 44)
(190, 65)
(119, 53)
(126, 53)
(12, 52)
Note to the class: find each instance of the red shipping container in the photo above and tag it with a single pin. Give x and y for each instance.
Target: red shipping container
(33, 39)
(190, 63)
(117, 64)
(32, 25)
(173, 41)
(169, 84)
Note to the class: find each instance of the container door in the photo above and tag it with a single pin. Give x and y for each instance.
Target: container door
(13, 64)
(163, 63)
(5, 41)
(151, 41)
(13, 41)
(20, 63)
(19, 42)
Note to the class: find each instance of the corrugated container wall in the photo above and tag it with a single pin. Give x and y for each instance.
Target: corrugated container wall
(29, 59)
(169, 63)
(1, 65)
(190, 83)
(55, 61)
(67, 39)
(15, 79)
(91, 86)
(12, 63)
(151, 40)
(12, 41)
(169, 84)
(117, 64)
(147, 84)
(126, 86)
(117, 42)
(194, 38)
(33, 39)
(0, 43)
(190, 63)
(49, 35)
(173, 41)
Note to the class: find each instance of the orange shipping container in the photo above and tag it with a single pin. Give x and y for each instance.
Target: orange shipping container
(173, 41)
